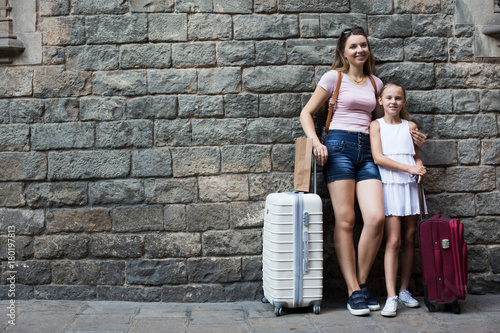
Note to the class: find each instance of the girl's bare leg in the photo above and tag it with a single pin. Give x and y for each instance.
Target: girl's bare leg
(392, 245)
(408, 227)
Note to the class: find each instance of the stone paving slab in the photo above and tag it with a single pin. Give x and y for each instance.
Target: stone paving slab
(480, 313)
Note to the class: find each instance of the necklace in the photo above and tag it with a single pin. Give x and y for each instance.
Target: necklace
(356, 81)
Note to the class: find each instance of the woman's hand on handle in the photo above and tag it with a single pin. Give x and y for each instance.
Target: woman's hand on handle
(321, 152)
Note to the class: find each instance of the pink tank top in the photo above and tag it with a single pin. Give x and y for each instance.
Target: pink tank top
(355, 104)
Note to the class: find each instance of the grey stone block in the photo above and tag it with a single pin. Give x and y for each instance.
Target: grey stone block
(251, 268)
(265, 27)
(197, 106)
(16, 81)
(126, 133)
(74, 293)
(171, 81)
(241, 106)
(233, 6)
(31, 272)
(470, 179)
(493, 257)
(487, 203)
(417, 7)
(22, 292)
(382, 26)
(151, 6)
(168, 191)
(219, 81)
(280, 105)
(477, 258)
(469, 151)
(371, 7)
(272, 52)
(62, 30)
(464, 30)
(491, 152)
(243, 291)
(156, 272)
(120, 83)
(23, 166)
(466, 126)
(387, 49)
(437, 153)
(173, 245)
(175, 217)
(466, 101)
(57, 82)
(426, 49)
(61, 246)
(309, 25)
(232, 242)
(235, 53)
(211, 216)
(310, 52)
(14, 137)
(456, 205)
(23, 249)
(54, 7)
(290, 78)
(145, 56)
(92, 57)
(53, 55)
(316, 6)
(152, 107)
(78, 220)
(12, 195)
(195, 161)
(57, 194)
(168, 27)
(273, 130)
(421, 78)
(61, 110)
(94, 7)
(265, 6)
(102, 108)
(223, 188)
(175, 132)
(332, 25)
(433, 102)
(461, 49)
(88, 272)
(246, 158)
(193, 293)
(88, 164)
(283, 157)
(115, 246)
(437, 25)
(62, 135)
(27, 111)
(193, 6)
(214, 270)
(196, 54)
(129, 294)
(481, 230)
(119, 191)
(465, 76)
(134, 219)
(489, 100)
(263, 184)
(4, 111)
(217, 132)
(210, 27)
(116, 29)
(247, 214)
(152, 163)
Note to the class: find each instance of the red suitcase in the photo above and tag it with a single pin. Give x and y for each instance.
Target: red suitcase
(444, 261)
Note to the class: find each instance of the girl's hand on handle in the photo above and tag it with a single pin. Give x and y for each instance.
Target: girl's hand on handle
(321, 152)
(420, 171)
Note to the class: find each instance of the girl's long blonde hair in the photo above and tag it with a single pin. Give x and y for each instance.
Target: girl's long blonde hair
(403, 114)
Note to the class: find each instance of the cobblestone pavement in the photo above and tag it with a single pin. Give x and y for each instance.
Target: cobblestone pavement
(480, 313)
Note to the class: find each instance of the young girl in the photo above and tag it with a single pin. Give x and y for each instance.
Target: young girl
(397, 158)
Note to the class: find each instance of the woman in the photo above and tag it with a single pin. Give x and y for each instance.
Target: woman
(349, 169)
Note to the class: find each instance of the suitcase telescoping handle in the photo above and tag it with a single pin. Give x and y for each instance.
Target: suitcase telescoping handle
(420, 198)
(314, 174)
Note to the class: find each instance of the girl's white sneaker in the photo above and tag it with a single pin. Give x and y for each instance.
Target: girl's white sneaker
(390, 308)
(406, 298)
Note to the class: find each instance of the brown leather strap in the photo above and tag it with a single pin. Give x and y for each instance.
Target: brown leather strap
(332, 103)
(374, 85)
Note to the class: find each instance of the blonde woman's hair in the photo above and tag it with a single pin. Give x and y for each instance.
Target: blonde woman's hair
(340, 62)
(403, 114)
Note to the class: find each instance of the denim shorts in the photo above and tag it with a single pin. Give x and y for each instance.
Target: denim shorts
(349, 157)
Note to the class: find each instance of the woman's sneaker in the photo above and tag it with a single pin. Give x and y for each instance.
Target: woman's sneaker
(406, 298)
(390, 308)
(370, 300)
(356, 304)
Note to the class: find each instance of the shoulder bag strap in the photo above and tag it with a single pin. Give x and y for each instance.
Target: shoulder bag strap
(332, 103)
(374, 85)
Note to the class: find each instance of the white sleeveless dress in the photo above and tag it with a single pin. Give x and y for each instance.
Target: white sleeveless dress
(400, 188)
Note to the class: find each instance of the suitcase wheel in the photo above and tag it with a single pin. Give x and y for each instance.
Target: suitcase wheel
(456, 309)
(316, 309)
(264, 300)
(278, 311)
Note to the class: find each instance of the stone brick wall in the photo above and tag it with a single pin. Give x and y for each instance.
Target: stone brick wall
(136, 154)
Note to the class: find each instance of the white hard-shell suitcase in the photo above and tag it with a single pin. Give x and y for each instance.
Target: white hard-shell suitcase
(292, 271)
